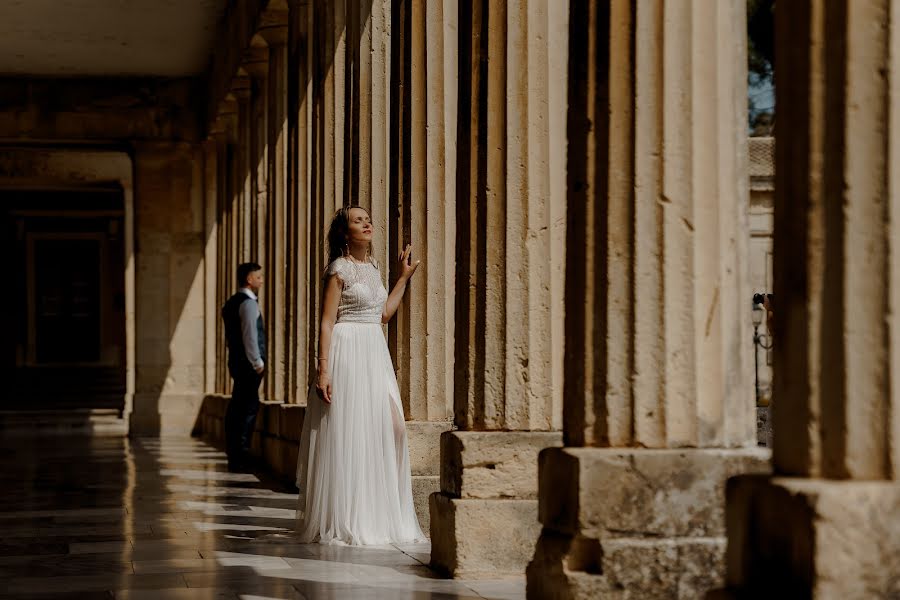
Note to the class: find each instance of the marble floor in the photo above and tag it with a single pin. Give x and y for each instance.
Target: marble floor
(108, 517)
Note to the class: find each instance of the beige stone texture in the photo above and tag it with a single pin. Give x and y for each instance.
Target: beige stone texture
(634, 523)
(629, 569)
(493, 464)
(423, 486)
(603, 493)
(482, 538)
(424, 441)
(804, 538)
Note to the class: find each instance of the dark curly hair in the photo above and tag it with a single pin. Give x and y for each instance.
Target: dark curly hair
(338, 233)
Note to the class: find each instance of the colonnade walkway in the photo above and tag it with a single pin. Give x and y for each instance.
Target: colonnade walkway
(109, 517)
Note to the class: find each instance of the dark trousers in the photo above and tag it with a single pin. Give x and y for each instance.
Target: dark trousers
(240, 417)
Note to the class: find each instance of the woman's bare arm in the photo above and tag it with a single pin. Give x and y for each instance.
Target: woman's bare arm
(331, 299)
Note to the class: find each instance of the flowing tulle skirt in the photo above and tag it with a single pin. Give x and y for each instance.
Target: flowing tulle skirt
(353, 470)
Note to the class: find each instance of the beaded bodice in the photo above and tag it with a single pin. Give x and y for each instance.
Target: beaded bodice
(363, 294)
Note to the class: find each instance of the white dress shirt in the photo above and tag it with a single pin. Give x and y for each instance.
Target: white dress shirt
(249, 313)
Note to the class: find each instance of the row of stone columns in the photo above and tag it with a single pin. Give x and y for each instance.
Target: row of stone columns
(658, 398)
(340, 103)
(580, 202)
(826, 524)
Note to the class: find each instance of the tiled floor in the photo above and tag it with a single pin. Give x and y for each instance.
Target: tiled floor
(108, 517)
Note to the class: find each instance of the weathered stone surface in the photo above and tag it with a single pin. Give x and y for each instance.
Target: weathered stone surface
(603, 492)
(493, 464)
(480, 538)
(422, 488)
(804, 538)
(568, 568)
(424, 440)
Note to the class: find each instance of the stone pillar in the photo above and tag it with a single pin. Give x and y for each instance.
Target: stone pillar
(300, 278)
(658, 397)
(211, 261)
(242, 172)
(826, 526)
(274, 29)
(508, 247)
(170, 308)
(417, 207)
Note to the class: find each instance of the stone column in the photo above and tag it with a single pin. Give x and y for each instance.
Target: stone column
(300, 278)
(827, 526)
(658, 398)
(242, 172)
(274, 29)
(170, 308)
(417, 207)
(211, 265)
(508, 247)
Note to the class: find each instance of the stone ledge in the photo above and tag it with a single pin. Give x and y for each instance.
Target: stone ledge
(493, 464)
(813, 538)
(604, 493)
(473, 538)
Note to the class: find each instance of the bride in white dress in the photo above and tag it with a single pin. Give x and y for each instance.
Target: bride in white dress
(353, 471)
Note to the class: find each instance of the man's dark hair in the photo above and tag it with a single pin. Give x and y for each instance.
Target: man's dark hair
(244, 270)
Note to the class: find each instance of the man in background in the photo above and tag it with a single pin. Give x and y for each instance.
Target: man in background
(246, 338)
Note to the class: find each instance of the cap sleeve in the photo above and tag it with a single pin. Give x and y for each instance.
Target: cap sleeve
(337, 267)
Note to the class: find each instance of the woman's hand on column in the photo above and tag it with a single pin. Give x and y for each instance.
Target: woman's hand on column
(407, 267)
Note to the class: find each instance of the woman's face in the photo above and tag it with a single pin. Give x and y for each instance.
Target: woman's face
(360, 231)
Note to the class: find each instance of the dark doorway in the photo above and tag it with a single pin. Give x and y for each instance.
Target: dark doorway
(67, 299)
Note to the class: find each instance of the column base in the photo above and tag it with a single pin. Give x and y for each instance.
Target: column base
(812, 538)
(482, 538)
(484, 519)
(633, 523)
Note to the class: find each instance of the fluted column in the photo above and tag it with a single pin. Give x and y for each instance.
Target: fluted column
(211, 260)
(300, 277)
(508, 254)
(658, 395)
(274, 30)
(826, 526)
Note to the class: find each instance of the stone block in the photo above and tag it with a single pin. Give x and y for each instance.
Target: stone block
(576, 568)
(422, 488)
(425, 445)
(493, 464)
(290, 421)
(808, 538)
(475, 538)
(608, 492)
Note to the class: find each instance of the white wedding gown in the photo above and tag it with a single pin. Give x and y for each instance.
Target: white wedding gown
(353, 470)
